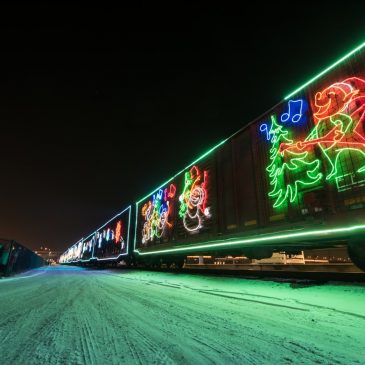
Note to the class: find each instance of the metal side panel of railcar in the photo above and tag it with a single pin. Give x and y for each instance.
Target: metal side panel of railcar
(293, 177)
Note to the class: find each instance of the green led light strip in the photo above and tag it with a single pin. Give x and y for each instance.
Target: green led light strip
(326, 70)
(135, 228)
(255, 239)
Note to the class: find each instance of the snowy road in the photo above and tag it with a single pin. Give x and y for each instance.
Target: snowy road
(64, 315)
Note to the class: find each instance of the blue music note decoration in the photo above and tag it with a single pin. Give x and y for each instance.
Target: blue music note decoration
(296, 111)
(265, 128)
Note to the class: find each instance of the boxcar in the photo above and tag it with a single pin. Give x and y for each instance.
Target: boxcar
(293, 178)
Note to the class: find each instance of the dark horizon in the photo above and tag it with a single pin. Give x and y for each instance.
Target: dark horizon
(78, 91)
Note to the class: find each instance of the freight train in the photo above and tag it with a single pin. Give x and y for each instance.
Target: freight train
(292, 179)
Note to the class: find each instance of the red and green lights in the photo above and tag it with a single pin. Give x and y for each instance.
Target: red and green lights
(166, 209)
(193, 200)
(333, 150)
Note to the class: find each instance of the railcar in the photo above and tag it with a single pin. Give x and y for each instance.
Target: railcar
(15, 258)
(292, 179)
(107, 244)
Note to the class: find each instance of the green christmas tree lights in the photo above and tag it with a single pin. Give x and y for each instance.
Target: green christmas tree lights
(286, 166)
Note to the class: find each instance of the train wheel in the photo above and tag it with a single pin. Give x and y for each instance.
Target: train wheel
(356, 251)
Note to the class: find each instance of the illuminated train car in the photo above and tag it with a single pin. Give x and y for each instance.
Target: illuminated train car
(72, 254)
(292, 179)
(109, 243)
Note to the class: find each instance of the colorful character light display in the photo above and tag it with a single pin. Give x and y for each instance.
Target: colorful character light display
(157, 214)
(111, 236)
(338, 136)
(193, 200)
(87, 247)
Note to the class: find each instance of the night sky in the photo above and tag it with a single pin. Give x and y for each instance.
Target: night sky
(100, 105)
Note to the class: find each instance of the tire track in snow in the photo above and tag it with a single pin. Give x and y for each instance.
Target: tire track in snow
(230, 353)
(254, 301)
(331, 309)
(218, 292)
(131, 335)
(34, 329)
(156, 349)
(86, 337)
(132, 349)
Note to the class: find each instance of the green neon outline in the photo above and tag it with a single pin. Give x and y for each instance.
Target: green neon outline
(129, 208)
(275, 171)
(255, 239)
(282, 193)
(326, 151)
(336, 120)
(292, 192)
(183, 205)
(135, 228)
(129, 227)
(325, 71)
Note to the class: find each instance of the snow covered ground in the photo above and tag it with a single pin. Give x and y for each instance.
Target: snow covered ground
(66, 315)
